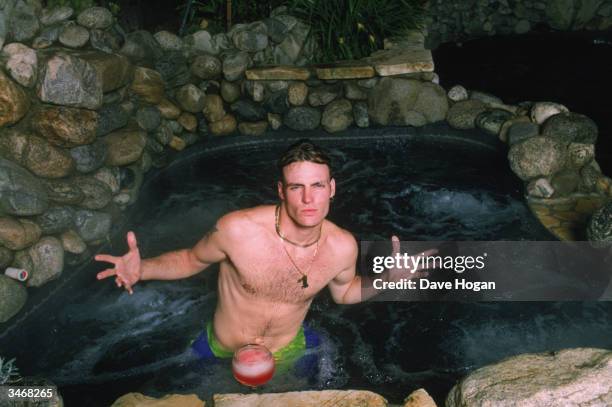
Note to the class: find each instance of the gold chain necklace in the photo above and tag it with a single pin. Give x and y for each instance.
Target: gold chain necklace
(304, 278)
(280, 234)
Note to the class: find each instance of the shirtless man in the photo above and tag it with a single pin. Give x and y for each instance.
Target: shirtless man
(273, 259)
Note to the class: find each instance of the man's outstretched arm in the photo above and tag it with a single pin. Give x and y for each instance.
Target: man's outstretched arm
(130, 268)
(349, 288)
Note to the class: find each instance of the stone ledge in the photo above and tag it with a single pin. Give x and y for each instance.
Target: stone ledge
(566, 217)
(349, 70)
(337, 398)
(401, 61)
(396, 61)
(278, 72)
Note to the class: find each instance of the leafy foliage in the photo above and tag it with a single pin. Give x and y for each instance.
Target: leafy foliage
(352, 29)
(243, 11)
(80, 5)
(8, 372)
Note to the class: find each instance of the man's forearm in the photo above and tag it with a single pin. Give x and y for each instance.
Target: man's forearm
(362, 288)
(171, 266)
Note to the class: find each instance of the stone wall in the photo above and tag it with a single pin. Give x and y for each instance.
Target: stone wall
(450, 21)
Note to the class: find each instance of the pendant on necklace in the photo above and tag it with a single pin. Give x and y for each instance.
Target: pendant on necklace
(304, 281)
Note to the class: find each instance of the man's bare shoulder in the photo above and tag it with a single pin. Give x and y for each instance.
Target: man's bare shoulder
(341, 241)
(246, 220)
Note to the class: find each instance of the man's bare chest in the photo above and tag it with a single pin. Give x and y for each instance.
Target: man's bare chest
(271, 272)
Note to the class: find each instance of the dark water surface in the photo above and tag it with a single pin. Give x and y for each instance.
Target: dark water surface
(97, 343)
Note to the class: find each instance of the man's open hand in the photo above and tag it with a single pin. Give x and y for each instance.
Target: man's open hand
(127, 270)
(395, 274)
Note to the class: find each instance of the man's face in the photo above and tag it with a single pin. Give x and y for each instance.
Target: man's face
(306, 192)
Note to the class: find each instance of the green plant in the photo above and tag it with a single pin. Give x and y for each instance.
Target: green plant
(243, 11)
(77, 5)
(8, 372)
(352, 29)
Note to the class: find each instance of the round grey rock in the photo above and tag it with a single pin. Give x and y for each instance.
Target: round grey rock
(599, 229)
(89, 157)
(97, 193)
(492, 120)
(235, 65)
(249, 111)
(206, 67)
(537, 157)
(462, 115)
(571, 127)
(302, 118)
(337, 116)
(95, 17)
(73, 36)
(92, 226)
(148, 118)
(277, 102)
(47, 257)
(56, 219)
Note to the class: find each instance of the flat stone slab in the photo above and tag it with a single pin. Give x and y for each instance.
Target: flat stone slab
(566, 217)
(351, 70)
(278, 73)
(336, 398)
(401, 61)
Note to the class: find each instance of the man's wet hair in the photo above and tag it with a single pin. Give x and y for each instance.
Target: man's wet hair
(303, 150)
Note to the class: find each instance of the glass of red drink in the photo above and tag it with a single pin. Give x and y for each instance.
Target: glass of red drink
(253, 365)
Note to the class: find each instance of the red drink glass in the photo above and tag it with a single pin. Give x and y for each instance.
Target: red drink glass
(253, 365)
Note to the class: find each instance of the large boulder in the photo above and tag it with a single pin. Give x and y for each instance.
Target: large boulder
(17, 234)
(73, 35)
(302, 118)
(202, 42)
(13, 296)
(14, 103)
(338, 116)
(124, 146)
(95, 17)
(537, 157)
(407, 102)
(44, 260)
(142, 48)
(89, 157)
(45, 160)
(174, 69)
(148, 85)
(63, 191)
(21, 193)
(65, 126)
(252, 38)
(22, 63)
(599, 230)
(190, 98)
(97, 193)
(206, 67)
(92, 226)
(23, 22)
(571, 128)
(462, 115)
(56, 15)
(114, 70)
(570, 377)
(235, 64)
(70, 81)
(56, 219)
